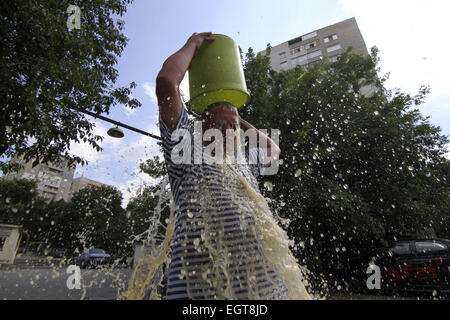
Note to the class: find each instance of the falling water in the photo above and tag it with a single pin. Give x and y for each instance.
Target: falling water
(148, 273)
(257, 221)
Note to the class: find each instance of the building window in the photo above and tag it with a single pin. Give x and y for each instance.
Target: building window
(314, 54)
(298, 49)
(311, 45)
(301, 60)
(49, 194)
(334, 48)
(283, 65)
(283, 55)
(309, 36)
(329, 38)
(334, 58)
(2, 242)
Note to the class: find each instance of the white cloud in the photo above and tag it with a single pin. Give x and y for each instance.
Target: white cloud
(411, 36)
(87, 152)
(128, 111)
(142, 149)
(150, 91)
(131, 187)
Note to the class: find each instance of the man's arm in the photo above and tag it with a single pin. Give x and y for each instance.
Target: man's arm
(171, 75)
(273, 151)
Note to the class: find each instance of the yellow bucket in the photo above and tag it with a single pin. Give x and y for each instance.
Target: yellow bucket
(216, 75)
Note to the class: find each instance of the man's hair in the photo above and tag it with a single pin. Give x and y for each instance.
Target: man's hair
(217, 104)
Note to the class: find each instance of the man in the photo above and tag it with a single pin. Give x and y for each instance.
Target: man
(217, 250)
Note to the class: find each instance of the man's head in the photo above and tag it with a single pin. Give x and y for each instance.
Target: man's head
(222, 116)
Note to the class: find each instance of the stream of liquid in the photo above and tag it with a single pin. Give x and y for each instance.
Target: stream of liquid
(272, 247)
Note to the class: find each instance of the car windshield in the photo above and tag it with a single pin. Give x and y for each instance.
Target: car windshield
(401, 248)
(96, 251)
(428, 246)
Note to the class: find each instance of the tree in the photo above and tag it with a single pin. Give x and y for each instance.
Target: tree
(20, 204)
(17, 197)
(143, 206)
(100, 221)
(48, 72)
(358, 171)
(62, 222)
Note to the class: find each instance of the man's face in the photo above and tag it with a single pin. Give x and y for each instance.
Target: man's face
(223, 118)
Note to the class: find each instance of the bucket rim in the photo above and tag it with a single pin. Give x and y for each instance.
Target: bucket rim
(231, 89)
(212, 90)
(221, 35)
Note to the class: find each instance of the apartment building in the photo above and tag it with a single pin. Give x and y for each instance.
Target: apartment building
(53, 180)
(80, 183)
(328, 42)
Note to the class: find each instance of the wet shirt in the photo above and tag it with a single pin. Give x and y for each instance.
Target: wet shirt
(216, 249)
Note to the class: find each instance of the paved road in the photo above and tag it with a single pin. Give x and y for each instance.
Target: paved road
(47, 283)
(51, 284)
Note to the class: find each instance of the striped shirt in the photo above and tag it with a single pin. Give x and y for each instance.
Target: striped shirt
(216, 250)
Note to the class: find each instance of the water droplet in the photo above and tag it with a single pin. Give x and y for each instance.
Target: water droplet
(218, 57)
(288, 122)
(333, 197)
(203, 85)
(190, 215)
(298, 173)
(196, 242)
(268, 185)
(376, 113)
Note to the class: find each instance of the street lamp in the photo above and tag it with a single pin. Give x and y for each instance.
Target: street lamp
(116, 132)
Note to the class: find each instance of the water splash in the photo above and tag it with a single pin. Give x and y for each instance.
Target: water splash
(148, 273)
(217, 279)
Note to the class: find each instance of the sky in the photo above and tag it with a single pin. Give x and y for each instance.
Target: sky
(411, 36)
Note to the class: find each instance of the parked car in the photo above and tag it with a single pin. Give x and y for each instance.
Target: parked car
(416, 265)
(93, 257)
(59, 253)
